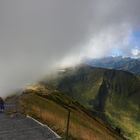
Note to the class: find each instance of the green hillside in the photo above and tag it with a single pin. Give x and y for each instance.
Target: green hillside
(110, 94)
(51, 107)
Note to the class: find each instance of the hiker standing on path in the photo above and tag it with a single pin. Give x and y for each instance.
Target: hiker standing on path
(1, 105)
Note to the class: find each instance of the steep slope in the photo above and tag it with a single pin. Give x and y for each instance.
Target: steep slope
(110, 94)
(51, 107)
(119, 63)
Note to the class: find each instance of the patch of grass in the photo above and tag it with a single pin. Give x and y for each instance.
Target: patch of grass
(49, 109)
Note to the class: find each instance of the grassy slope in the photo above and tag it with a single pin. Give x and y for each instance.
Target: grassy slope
(80, 84)
(117, 93)
(49, 108)
(122, 104)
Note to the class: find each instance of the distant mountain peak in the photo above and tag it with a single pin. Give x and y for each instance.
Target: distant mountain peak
(118, 63)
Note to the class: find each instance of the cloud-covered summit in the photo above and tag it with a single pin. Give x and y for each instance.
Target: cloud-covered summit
(35, 35)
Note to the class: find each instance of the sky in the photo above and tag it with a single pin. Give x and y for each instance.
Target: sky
(36, 36)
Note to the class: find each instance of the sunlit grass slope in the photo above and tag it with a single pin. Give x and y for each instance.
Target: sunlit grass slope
(50, 106)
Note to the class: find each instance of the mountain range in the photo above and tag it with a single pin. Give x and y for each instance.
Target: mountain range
(106, 91)
(119, 63)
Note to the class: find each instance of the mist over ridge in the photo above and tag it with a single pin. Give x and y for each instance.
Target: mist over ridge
(38, 36)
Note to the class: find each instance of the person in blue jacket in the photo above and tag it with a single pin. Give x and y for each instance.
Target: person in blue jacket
(1, 105)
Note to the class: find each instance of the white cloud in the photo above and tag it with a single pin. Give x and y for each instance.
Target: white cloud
(36, 34)
(107, 41)
(135, 52)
